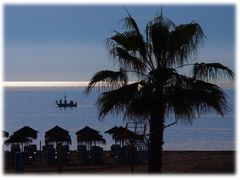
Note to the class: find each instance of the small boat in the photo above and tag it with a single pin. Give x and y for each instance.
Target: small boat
(65, 104)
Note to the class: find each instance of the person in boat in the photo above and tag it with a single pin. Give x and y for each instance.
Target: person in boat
(60, 101)
(71, 103)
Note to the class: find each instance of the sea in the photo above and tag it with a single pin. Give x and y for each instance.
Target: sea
(35, 107)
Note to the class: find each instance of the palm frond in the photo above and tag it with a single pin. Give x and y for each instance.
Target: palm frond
(157, 35)
(138, 110)
(190, 97)
(127, 61)
(129, 40)
(107, 79)
(211, 71)
(140, 107)
(210, 97)
(131, 24)
(115, 101)
(183, 42)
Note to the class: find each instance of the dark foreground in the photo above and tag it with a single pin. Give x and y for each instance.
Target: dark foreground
(173, 162)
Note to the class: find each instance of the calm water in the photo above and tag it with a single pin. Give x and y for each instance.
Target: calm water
(35, 107)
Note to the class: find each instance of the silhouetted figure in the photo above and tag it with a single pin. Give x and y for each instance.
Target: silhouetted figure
(65, 101)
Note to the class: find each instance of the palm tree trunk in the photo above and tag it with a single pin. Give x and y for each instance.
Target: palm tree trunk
(156, 141)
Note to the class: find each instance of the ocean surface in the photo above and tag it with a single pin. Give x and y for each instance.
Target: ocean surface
(35, 107)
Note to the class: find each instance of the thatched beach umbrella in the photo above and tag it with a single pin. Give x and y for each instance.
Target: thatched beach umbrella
(117, 131)
(14, 139)
(89, 136)
(123, 135)
(5, 134)
(27, 132)
(57, 135)
(127, 135)
(17, 139)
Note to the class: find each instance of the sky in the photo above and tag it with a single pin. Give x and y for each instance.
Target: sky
(67, 43)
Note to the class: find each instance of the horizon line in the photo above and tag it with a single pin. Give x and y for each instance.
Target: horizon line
(16, 84)
(45, 83)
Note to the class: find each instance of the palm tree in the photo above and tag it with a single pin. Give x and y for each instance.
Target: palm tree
(160, 89)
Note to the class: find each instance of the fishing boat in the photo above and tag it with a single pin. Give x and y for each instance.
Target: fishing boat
(65, 104)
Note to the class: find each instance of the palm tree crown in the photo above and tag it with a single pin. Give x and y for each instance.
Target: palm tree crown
(160, 89)
(155, 61)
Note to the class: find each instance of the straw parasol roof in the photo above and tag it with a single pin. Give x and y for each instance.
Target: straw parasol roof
(122, 134)
(114, 130)
(27, 132)
(127, 135)
(17, 139)
(5, 134)
(58, 138)
(55, 130)
(87, 130)
(89, 136)
(57, 134)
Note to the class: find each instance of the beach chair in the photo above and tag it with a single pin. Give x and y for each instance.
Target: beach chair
(15, 148)
(50, 154)
(11, 155)
(30, 153)
(143, 156)
(65, 154)
(129, 154)
(65, 149)
(96, 155)
(83, 154)
(115, 151)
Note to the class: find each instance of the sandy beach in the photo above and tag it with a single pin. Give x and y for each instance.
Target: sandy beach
(186, 162)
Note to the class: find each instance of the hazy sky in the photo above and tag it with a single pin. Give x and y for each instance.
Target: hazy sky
(67, 43)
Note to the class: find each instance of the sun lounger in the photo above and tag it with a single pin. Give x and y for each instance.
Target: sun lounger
(64, 154)
(83, 154)
(96, 155)
(81, 148)
(115, 151)
(15, 148)
(50, 154)
(11, 155)
(129, 154)
(30, 152)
